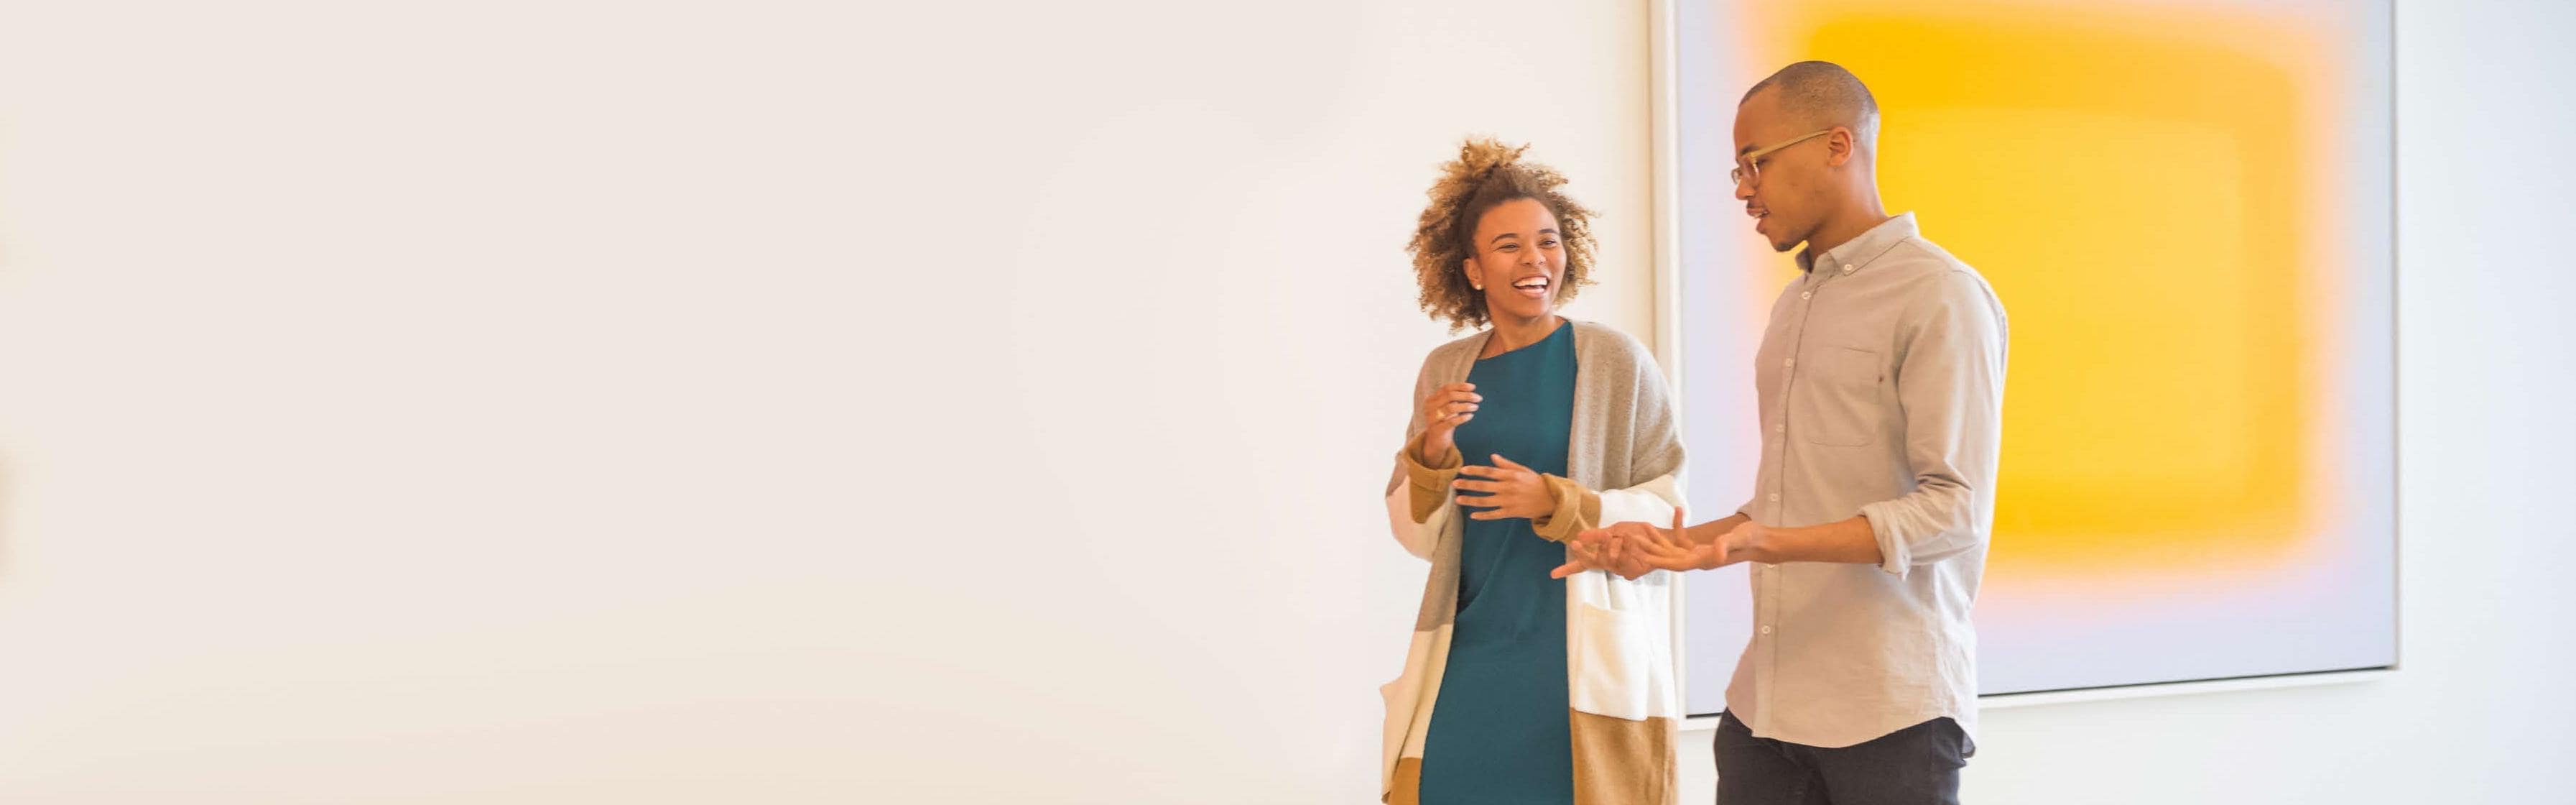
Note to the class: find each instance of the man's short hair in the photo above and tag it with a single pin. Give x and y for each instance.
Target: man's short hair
(1824, 94)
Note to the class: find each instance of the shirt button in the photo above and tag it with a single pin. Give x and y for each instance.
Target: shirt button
(1806, 294)
(1847, 269)
(1775, 497)
(1780, 428)
(1766, 630)
(1791, 363)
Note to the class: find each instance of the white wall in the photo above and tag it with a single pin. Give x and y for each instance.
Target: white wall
(546, 402)
(759, 402)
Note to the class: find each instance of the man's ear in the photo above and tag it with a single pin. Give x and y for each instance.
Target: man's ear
(1838, 146)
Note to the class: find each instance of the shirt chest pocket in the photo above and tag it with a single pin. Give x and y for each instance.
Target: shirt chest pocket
(1841, 400)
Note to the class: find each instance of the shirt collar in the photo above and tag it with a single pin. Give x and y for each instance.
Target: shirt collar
(1861, 250)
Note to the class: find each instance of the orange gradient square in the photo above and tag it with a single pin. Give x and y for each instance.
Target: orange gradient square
(2140, 191)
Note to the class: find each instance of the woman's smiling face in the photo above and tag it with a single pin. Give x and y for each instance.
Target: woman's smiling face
(1519, 259)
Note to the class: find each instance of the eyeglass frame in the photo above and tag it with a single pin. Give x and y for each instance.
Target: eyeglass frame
(1748, 168)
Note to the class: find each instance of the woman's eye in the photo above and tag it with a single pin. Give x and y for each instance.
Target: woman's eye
(1548, 243)
(1507, 248)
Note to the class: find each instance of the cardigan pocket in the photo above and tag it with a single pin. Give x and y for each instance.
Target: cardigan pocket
(1610, 658)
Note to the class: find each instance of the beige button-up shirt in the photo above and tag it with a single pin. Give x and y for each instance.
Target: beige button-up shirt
(1881, 379)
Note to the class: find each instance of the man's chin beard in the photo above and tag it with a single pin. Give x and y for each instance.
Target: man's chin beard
(1790, 244)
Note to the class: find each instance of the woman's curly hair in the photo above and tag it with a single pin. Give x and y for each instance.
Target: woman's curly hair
(1488, 173)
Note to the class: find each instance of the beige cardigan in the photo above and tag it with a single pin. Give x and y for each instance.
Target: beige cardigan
(1619, 657)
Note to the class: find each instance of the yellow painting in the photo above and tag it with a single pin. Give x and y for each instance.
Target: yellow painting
(2162, 194)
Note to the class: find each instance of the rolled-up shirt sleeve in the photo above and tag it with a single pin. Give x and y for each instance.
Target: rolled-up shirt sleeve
(1949, 383)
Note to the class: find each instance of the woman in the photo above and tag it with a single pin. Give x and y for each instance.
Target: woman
(1546, 691)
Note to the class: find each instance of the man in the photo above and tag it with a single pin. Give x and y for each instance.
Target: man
(1881, 382)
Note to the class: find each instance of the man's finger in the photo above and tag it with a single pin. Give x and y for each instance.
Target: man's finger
(1675, 534)
(1476, 486)
(1661, 551)
(1481, 471)
(1666, 539)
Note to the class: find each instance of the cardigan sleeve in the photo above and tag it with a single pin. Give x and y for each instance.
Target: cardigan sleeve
(1417, 500)
(1654, 446)
(1653, 449)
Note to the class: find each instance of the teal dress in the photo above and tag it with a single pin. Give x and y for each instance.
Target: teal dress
(1499, 732)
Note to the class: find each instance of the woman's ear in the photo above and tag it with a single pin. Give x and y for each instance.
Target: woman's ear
(1469, 266)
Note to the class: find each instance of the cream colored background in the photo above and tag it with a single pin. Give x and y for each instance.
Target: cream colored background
(554, 402)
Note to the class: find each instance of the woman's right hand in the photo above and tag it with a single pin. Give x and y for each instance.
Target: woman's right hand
(1446, 408)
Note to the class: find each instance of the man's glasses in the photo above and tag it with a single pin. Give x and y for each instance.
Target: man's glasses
(1748, 168)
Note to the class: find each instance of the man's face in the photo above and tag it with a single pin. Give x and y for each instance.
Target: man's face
(1782, 189)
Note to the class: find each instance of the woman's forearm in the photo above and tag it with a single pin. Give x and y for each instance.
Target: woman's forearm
(1445, 458)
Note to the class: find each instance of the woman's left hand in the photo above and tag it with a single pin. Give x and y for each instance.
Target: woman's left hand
(1512, 491)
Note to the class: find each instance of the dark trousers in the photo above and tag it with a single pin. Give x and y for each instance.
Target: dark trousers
(1918, 764)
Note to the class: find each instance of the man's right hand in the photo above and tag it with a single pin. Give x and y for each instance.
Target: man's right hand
(1617, 548)
(1446, 408)
(1631, 549)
